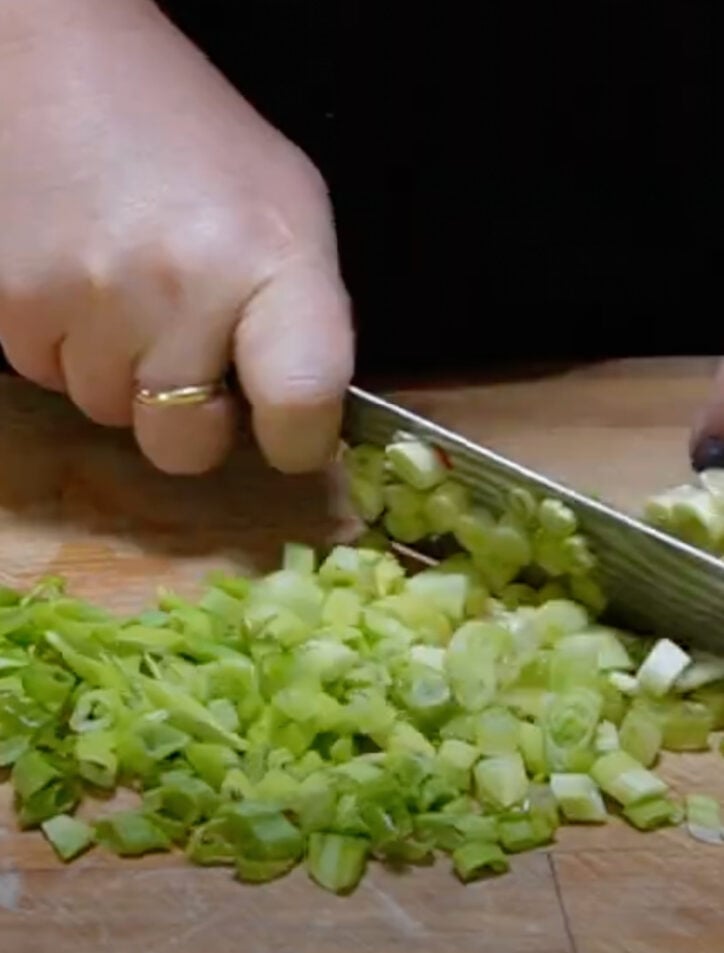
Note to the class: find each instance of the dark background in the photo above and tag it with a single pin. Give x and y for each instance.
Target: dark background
(526, 180)
(510, 179)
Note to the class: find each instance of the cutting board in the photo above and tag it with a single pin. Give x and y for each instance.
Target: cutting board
(78, 500)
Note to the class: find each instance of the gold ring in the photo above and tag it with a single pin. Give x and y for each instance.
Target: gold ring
(180, 396)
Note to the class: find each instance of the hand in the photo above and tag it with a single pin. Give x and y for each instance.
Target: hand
(707, 439)
(154, 230)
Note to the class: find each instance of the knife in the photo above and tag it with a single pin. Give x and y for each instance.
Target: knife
(654, 583)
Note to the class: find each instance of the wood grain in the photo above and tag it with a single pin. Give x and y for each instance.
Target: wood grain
(78, 500)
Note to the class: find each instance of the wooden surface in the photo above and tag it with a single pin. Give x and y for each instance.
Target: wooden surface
(78, 500)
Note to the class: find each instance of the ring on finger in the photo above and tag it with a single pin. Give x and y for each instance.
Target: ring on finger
(180, 396)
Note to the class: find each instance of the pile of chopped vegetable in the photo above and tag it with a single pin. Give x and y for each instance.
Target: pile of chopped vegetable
(336, 712)
(693, 512)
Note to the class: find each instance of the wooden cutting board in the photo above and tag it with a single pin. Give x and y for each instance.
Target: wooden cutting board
(77, 500)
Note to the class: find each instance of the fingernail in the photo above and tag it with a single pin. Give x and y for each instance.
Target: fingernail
(708, 454)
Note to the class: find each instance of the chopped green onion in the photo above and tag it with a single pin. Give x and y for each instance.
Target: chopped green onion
(532, 747)
(641, 736)
(625, 780)
(525, 831)
(624, 683)
(255, 871)
(649, 814)
(68, 836)
(607, 738)
(703, 818)
(299, 558)
(96, 756)
(416, 463)
(444, 506)
(703, 670)
(32, 773)
(130, 834)
(336, 861)
(476, 858)
(501, 781)
(686, 726)
(661, 668)
(354, 709)
(578, 798)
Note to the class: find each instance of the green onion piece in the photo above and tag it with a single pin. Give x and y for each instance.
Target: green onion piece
(440, 830)
(407, 528)
(556, 518)
(686, 726)
(447, 591)
(210, 844)
(254, 871)
(569, 726)
(211, 762)
(416, 463)
(589, 593)
(522, 832)
(299, 558)
(262, 832)
(625, 780)
(95, 710)
(336, 861)
(641, 736)
(704, 670)
(703, 819)
(477, 858)
(559, 617)
(477, 827)
(130, 834)
(49, 685)
(31, 773)
(541, 802)
(96, 673)
(624, 683)
(574, 663)
(578, 798)
(365, 460)
(607, 738)
(532, 747)
(501, 781)
(470, 663)
(97, 760)
(367, 497)
(68, 836)
(58, 797)
(650, 814)
(188, 715)
(474, 529)
(497, 731)
(183, 797)
(661, 668)
(458, 756)
(444, 506)
(12, 748)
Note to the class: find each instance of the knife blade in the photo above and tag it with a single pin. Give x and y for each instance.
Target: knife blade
(655, 583)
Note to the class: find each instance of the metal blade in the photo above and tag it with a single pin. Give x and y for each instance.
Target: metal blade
(655, 584)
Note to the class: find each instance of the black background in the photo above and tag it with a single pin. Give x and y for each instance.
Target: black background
(510, 179)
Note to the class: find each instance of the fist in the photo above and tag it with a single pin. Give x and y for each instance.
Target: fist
(156, 231)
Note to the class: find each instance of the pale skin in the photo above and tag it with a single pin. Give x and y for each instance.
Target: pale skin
(157, 231)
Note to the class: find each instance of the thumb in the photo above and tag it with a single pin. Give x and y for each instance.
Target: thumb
(707, 440)
(294, 355)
